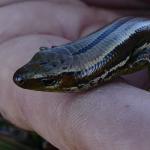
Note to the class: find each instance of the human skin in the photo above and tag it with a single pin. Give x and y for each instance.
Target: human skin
(114, 116)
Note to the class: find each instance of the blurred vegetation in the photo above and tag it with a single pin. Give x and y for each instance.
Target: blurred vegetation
(13, 138)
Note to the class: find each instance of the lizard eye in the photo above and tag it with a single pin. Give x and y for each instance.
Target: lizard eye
(49, 82)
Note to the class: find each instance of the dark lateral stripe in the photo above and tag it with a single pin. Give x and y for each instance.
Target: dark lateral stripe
(102, 36)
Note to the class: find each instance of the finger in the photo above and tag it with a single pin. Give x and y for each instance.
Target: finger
(112, 117)
(43, 17)
(26, 18)
(13, 99)
(14, 54)
(121, 8)
(7, 2)
(121, 4)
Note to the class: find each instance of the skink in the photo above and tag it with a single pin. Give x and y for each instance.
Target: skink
(119, 48)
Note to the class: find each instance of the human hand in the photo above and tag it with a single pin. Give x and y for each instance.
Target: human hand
(114, 116)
